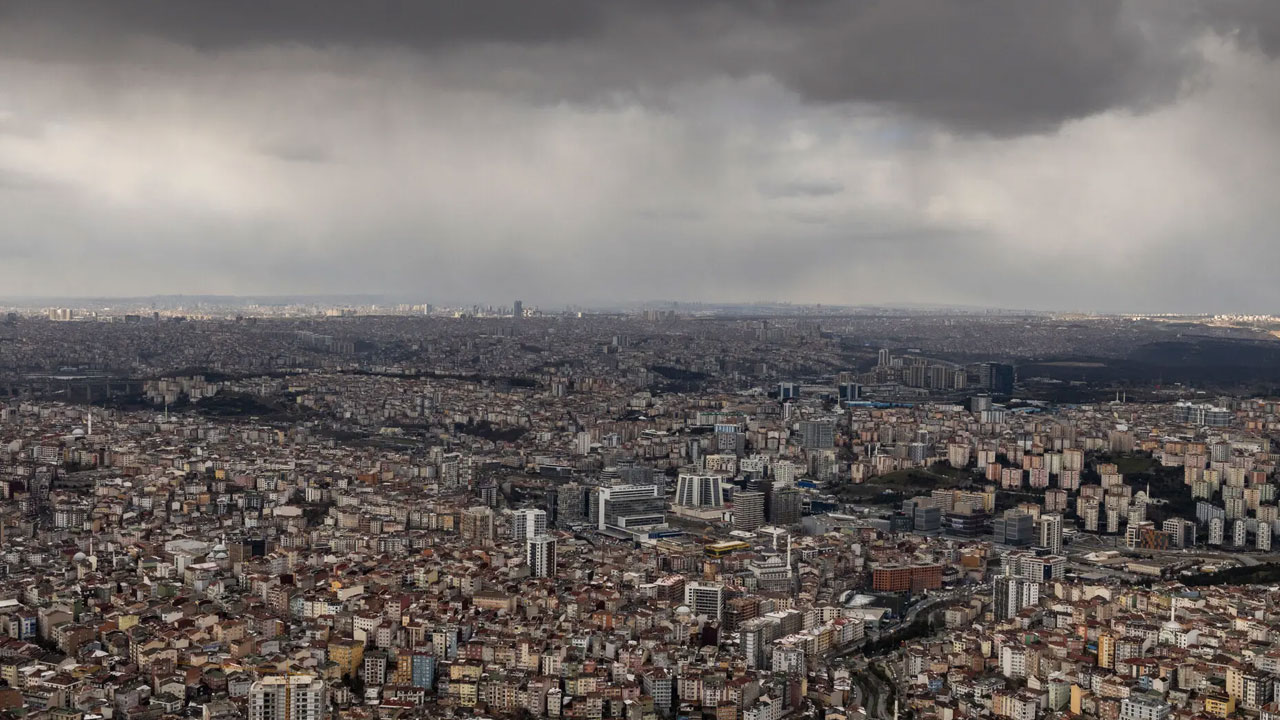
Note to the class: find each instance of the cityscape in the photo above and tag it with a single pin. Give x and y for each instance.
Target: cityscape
(509, 512)
(639, 360)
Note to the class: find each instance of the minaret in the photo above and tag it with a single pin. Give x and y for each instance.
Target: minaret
(90, 431)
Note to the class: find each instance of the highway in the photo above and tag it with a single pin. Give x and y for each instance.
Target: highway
(1089, 543)
(933, 600)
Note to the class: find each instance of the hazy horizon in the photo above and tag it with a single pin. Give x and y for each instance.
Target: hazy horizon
(359, 299)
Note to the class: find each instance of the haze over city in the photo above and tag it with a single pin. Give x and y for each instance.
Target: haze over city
(1097, 155)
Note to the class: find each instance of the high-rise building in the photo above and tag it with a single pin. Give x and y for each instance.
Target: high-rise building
(1113, 520)
(476, 525)
(705, 599)
(1012, 594)
(1182, 533)
(699, 490)
(528, 522)
(540, 553)
(748, 510)
(1264, 536)
(849, 392)
(487, 492)
(1041, 567)
(996, 377)
(1090, 515)
(926, 518)
(784, 471)
(1201, 414)
(423, 671)
(785, 506)
(288, 697)
(817, 434)
(517, 309)
(757, 636)
(1055, 500)
(966, 520)
(1106, 650)
(1206, 512)
(631, 474)
(1014, 527)
(1238, 533)
(1216, 525)
(565, 504)
(1050, 527)
(629, 507)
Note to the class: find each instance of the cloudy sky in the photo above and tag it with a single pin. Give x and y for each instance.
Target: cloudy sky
(1091, 154)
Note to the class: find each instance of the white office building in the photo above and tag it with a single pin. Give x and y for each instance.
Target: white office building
(528, 523)
(630, 507)
(705, 599)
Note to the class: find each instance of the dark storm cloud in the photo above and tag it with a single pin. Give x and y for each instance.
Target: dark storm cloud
(989, 66)
(422, 24)
(1254, 22)
(593, 150)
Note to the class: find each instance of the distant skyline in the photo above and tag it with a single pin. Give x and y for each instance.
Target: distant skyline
(365, 300)
(1115, 156)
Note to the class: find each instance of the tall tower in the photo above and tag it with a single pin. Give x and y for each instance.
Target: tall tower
(1051, 533)
(748, 510)
(517, 309)
(540, 553)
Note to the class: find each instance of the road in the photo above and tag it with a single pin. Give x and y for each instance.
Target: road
(868, 689)
(932, 602)
(1088, 543)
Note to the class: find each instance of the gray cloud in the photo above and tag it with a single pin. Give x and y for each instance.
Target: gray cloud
(296, 151)
(16, 180)
(1005, 152)
(800, 188)
(244, 23)
(990, 66)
